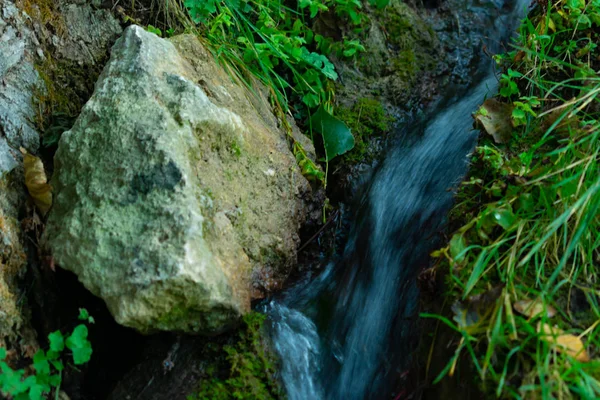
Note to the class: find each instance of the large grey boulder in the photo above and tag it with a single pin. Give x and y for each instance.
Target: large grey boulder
(175, 190)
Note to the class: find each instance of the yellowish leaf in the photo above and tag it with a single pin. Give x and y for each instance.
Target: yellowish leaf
(564, 342)
(531, 308)
(495, 118)
(551, 25)
(37, 182)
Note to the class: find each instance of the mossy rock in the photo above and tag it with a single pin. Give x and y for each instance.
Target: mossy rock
(366, 119)
(242, 369)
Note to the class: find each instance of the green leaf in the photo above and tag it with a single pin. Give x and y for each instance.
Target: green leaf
(478, 269)
(337, 138)
(79, 345)
(57, 341)
(514, 74)
(517, 113)
(40, 363)
(526, 202)
(82, 355)
(55, 380)
(36, 392)
(311, 100)
(58, 365)
(155, 30)
(504, 217)
(83, 314)
(2, 353)
(457, 246)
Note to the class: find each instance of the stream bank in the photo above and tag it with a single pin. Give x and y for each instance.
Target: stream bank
(518, 274)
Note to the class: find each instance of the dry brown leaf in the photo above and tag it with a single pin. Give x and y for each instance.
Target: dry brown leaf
(496, 117)
(564, 342)
(37, 182)
(531, 308)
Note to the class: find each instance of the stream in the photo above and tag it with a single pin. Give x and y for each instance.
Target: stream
(349, 332)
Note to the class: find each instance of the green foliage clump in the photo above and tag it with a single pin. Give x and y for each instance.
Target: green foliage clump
(245, 372)
(274, 42)
(366, 119)
(47, 365)
(528, 218)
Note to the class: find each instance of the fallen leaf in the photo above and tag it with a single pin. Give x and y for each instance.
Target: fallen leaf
(564, 342)
(476, 308)
(531, 308)
(519, 56)
(37, 182)
(495, 118)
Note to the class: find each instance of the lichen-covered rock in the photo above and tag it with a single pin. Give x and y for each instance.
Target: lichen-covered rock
(175, 190)
(17, 79)
(88, 32)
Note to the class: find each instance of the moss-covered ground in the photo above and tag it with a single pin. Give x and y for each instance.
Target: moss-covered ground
(241, 367)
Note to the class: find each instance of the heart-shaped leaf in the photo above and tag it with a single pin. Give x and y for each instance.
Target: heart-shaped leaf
(337, 138)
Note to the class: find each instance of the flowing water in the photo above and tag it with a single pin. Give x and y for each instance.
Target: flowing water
(348, 334)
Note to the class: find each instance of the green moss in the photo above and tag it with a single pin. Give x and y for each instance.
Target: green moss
(241, 368)
(44, 11)
(366, 119)
(66, 88)
(412, 39)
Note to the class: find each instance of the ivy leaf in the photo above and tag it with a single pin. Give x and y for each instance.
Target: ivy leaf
(58, 365)
(320, 62)
(36, 392)
(79, 345)
(54, 380)
(57, 341)
(84, 315)
(337, 138)
(40, 363)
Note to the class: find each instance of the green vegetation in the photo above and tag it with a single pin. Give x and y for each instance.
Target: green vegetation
(276, 44)
(242, 369)
(47, 365)
(522, 269)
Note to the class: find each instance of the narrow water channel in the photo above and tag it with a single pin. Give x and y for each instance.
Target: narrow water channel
(349, 333)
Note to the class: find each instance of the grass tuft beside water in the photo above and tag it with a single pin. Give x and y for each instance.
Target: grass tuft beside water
(522, 265)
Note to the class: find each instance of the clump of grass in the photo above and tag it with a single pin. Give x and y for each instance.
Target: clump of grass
(528, 219)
